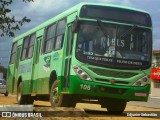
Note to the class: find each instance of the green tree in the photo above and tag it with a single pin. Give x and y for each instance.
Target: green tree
(8, 24)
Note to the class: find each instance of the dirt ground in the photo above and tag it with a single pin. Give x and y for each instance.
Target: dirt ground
(89, 111)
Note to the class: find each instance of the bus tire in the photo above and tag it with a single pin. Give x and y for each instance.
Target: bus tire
(30, 99)
(23, 99)
(115, 106)
(6, 94)
(60, 100)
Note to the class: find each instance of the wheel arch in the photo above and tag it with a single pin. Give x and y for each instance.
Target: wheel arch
(52, 78)
(19, 80)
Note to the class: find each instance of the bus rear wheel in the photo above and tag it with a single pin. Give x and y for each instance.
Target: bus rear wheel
(23, 99)
(60, 100)
(6, 94)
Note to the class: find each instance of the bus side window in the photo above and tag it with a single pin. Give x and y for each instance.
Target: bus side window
(13, 53)
(60, 34)
(28, 46)
(49, 38)
(25, 48)
(31, 45)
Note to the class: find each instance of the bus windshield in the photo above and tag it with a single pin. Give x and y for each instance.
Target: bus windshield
(111, 48)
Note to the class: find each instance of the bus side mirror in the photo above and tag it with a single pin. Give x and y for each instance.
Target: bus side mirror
(75, 26)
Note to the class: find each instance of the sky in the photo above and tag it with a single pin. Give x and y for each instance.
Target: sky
(40, 11)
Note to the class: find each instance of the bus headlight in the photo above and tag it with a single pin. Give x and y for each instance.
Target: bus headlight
(141, 82)
(81, 73)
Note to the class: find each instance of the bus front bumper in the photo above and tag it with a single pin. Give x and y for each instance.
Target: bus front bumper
(128, 93)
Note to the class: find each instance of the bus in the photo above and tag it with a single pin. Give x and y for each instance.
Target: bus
(93, 53)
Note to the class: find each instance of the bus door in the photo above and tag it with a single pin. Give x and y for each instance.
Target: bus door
(35, 68)
(67, 60)
(16, 69)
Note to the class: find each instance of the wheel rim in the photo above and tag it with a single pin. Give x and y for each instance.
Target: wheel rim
(56, 96)
(19, 93)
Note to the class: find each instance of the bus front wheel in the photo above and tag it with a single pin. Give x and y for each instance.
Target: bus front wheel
(114, 106)
(23, 99)
(60, 100)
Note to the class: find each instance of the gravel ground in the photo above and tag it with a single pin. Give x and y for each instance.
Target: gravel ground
(83, 111)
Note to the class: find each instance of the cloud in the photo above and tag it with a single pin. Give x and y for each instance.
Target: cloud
(46, 6)
(117, 2)
(126, 3)
(107, 1)
(38, 11)
(5, 47)
(41, 10)
(5, 44)
(156, 44)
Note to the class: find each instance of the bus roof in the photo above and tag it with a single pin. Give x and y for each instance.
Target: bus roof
(68, 12)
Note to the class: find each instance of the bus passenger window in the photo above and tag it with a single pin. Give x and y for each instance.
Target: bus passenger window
(49, 38)
(13, 53)
(60, 34)
(25, 47)
(59, 41)
(28, 46)
(31, 45)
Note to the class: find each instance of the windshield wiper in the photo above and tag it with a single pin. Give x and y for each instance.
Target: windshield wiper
(100, 24)
(128, 31)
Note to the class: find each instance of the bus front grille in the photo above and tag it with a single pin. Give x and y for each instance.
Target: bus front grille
(102, 80)
(108, 81)
(110, 73)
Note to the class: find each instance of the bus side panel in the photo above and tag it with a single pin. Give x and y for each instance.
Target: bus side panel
(10, 76)
(37, 51)
(57, 64)
(25, 70)
(12, 71)
(48, 63)
(26, 87)
(44, 73)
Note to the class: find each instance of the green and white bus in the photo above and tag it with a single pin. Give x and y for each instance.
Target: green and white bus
(96, 53)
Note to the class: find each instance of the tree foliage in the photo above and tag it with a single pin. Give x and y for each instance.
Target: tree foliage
(8, 24)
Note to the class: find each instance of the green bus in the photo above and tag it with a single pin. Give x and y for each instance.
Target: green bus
(94, 53)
